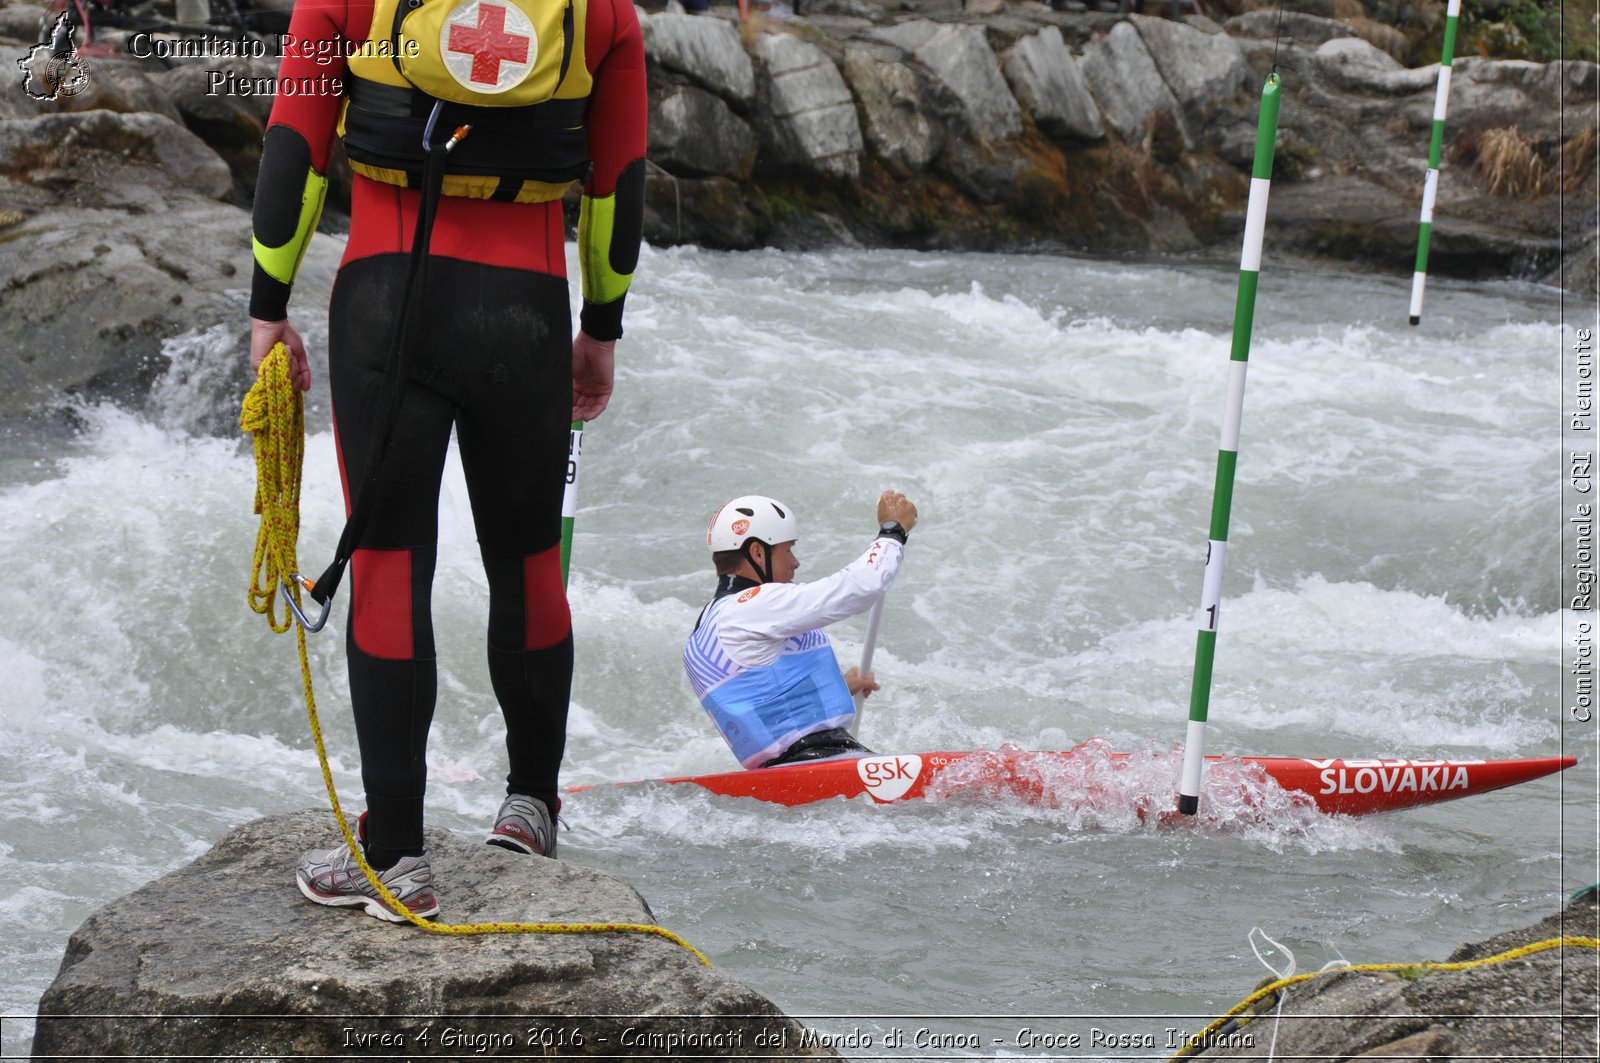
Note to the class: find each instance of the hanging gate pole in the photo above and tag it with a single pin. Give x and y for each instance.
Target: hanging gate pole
(1244, 309)
(1430, 186)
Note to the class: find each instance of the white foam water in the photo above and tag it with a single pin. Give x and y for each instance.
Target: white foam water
(1392, 590)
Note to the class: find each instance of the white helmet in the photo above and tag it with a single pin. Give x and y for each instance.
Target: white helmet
(750, 517)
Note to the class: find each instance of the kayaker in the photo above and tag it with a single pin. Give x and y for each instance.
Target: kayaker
(539, 94)
(758, 659)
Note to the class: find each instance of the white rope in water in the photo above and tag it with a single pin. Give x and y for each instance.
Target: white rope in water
(1283, 994)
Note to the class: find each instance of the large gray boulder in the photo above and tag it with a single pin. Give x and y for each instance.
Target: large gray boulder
(897, 118)
(1308, 31)
(1356, 66)
(1540, 1006)
(105, 158)
(1202, 69)
(255, 971)
(707, 211)
(707, 50)
(1128, 85)
(1046, 80)
(1534, 97)
(90, 297)
(103, 304)
(118, 85)
(812, 114)
(104, 265)
(960, 57)
(694, 133)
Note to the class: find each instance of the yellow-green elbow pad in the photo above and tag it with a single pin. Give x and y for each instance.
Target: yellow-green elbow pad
(282, 262)
(281, 232)
(603, 281)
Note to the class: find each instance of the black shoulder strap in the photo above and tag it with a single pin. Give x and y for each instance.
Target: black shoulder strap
(726, 585)
(566, 46)
(402, 8)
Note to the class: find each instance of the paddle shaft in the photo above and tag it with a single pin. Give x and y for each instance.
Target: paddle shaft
(866, 657)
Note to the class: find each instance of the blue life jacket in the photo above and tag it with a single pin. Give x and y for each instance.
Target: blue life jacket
(763, 711)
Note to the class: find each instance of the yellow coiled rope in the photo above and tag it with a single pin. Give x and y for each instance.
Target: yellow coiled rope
(1201, 1040)
(274, 413)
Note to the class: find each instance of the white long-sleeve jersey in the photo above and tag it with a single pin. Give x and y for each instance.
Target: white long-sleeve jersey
(753, 627)
(762, 666)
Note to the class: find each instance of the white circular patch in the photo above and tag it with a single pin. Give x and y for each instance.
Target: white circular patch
(488, 47)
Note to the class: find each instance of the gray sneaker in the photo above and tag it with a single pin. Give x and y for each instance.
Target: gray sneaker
(332, 877)
(523, 825)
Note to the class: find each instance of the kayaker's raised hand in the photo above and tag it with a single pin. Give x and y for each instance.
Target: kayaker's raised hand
(892, 505)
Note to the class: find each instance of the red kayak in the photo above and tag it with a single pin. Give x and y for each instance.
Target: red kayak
(1090, 773)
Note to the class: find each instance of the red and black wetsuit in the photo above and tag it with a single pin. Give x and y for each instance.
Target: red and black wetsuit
(493, 361)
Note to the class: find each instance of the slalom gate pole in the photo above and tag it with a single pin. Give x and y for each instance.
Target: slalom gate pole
(1255, 224)
(1430, 186)
(569, 498)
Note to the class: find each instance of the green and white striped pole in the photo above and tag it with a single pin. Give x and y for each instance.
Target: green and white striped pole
(569, 498)
(1255, 225)
(1430, 187)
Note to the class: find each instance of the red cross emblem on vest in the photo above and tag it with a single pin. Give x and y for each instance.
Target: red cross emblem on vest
(487, 46)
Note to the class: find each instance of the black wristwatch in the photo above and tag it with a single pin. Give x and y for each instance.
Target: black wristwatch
(890, 529)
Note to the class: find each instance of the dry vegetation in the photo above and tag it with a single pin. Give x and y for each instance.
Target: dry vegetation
(1521, 167)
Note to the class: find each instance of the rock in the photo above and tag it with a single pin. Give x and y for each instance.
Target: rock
(21, 23)
(909, 35)
(1201, 69)
(1529, 96)
(1303, 29)
(121, 85)
(692, 132)
(986, 172)
(1125, 80)
(1360, 220)
(813, 115)
(97, 304)
(708, 50)
(928, 123)
(1355, 65)
(896, 113)
(1046, 80)
(231, 124)
(707, 211)
(862, 9)
(1537, 1007)
(960, 57)
(102, 158)
(256, 971)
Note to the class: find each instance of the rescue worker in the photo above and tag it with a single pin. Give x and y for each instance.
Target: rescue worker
(512, 101)
(758, 659)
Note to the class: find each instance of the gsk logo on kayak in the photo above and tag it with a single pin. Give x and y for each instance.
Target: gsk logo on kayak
(747, 595)
(888, 778)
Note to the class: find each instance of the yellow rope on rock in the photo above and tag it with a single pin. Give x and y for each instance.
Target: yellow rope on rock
(1200, 1040)
(274, 413)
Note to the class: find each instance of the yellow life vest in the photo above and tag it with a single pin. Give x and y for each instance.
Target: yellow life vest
(513, 70)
